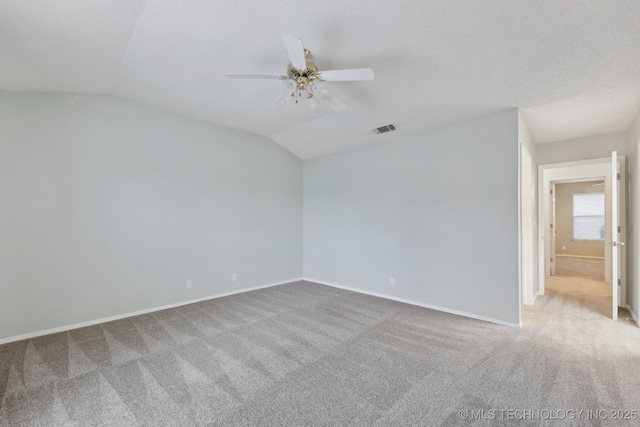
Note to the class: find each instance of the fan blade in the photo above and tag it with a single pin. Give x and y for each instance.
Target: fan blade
(356, 74)
(253, 76)
(278, 102)
(334, 102)
(296, 52)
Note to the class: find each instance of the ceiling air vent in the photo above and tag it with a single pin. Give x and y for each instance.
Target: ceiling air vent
(384, 129)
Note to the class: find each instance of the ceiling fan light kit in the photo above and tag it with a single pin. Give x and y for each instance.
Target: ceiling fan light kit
(299, 82)
(304, 81)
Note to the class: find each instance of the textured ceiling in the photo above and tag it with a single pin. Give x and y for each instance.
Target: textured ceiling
(573, 66)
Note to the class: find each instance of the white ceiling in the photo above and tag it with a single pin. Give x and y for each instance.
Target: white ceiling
(573, 66)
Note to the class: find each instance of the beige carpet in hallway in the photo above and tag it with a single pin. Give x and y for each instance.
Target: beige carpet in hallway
(576, 295)
(592, 268)
(577, 288)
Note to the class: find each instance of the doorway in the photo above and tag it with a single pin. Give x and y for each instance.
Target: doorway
(590, 173)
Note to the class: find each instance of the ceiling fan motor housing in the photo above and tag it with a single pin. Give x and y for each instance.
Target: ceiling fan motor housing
(303, 78)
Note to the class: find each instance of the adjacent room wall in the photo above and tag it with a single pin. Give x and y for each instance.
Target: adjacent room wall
(564, 220)
(416, 209)
(109, 207)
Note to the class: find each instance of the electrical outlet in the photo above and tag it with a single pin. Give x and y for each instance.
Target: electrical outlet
(235, 276)
(188, 284)
(392, 281)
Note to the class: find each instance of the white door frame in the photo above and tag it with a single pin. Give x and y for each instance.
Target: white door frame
(553, 228)
(527, 226)
(578, 170)
(615, 241)
(637, 232)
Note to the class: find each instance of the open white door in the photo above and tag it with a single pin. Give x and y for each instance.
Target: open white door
(552, 228)
(615, 244)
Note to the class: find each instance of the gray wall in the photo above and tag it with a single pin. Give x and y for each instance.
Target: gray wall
(108, 207)
(438, 211)
(590, 147)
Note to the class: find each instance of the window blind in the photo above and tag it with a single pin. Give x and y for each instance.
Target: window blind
(588, 216)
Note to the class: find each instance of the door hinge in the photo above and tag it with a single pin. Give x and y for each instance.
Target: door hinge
(550, 191)
(618, 229)
(551, 259)
(618, 177)
(551, 225)
(619, 282)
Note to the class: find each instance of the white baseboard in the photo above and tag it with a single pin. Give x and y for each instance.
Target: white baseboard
(136, 313)
(419, 304)
(633, 315)
(535, 297)
(533, 301)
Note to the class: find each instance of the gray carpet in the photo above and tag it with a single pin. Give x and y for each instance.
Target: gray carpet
(306, 354)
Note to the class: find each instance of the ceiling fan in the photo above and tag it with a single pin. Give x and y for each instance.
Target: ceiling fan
(303, 80)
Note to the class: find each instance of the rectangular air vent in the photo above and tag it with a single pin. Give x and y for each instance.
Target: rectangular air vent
(384, 129)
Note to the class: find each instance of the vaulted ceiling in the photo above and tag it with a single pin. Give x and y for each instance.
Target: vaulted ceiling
(573, 66)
